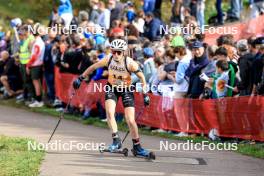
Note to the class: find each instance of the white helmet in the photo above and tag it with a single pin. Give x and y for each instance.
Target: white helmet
(119, 44)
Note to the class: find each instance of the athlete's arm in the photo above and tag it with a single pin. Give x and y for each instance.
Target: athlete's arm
(89, 70)
(134, 67)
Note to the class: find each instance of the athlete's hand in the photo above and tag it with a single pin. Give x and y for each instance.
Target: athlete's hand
(146, 99)
(77, 83)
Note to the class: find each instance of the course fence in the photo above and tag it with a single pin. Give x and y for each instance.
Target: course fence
(240, 117)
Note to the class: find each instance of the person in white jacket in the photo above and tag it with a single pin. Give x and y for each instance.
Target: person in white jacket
(184, 56)
(34, 66)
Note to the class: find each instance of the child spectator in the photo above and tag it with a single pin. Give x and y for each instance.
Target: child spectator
(220, 80)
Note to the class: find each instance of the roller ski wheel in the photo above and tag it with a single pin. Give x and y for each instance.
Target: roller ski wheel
(147, 155)
(117, 151)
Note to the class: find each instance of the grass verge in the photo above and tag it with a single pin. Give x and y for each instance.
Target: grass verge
(254, 150)
(16, 159)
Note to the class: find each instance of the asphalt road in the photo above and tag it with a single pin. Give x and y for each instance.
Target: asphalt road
(21, 123)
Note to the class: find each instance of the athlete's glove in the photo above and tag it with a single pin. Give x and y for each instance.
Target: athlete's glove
(146, 99)
(77, 83)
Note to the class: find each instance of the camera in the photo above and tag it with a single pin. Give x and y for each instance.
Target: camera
(260, 88)
(207, 93)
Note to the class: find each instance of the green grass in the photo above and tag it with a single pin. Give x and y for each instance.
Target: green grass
(16, 159)
(254, 150)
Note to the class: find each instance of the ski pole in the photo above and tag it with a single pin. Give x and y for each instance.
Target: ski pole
(62, 115)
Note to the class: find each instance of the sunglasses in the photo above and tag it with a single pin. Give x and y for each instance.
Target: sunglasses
(117, 52)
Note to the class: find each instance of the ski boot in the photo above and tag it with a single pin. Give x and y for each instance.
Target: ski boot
(115, 147)
(139, 151)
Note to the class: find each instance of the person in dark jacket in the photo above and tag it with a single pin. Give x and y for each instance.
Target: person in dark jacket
(258, 64)
(10, 77)
(49, 64)
(197, 64)
(116, 9)
(73, 58)
(245, 64)
(152, 27)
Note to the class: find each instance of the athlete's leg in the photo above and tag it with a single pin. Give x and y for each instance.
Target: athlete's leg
(128, 102)
(110, 106)
(130, 119)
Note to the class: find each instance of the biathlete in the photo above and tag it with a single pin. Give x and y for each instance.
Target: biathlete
(120, 68)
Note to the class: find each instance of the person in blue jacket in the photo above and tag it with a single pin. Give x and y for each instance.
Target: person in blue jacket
(152, 27)
(149, 6)
(65, 12)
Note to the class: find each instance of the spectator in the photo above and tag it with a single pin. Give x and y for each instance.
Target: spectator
(257, 8)
(94, 14)
(181, 86)
(197, 10)
(101, 73)
(167, 75)
(24, 57)
(54, 17)
(8, 41)
(222, 54)
(157, 10)
(139, 22)
(83, 19)
(152, 27)
(197, 64)
(160, 52)
(65, 12)
(104, 16)
(258, 64)
(245, 66)
(149, 6)
(116, 10)
(220, 80)
(116, 32)
(200, 14)
(154, 80)
(49, 64)
(16, 24)
(149, 65)
(86, 56)
(130, 14)
(210, 69)
(10, 78)
(73, 58)
(252, 45)
(234, 11)
(177, 12)
(227, 41)
(220, 15)
(34, 65)
(3, 44)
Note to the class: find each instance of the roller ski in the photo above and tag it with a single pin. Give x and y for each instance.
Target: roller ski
(138, 151)
(115, 147)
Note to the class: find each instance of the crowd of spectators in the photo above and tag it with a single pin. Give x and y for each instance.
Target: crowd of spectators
(183, 65)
